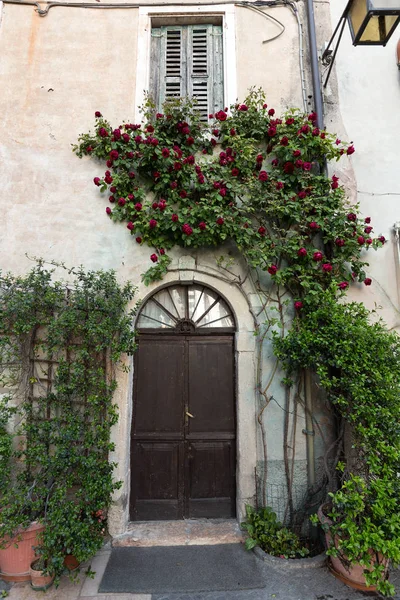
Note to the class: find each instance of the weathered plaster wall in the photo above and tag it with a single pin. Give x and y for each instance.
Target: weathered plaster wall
(63, 68)
(369, 98)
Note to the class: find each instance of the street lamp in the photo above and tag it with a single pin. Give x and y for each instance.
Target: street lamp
(371, 23)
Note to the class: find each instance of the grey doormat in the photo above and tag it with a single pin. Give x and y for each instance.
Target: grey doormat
(158, 570)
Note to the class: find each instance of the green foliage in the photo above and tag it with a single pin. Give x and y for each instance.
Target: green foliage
(247, 177)
(358, 364)
(265, 531)
(59, 346)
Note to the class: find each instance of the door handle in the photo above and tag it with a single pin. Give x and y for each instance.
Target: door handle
(190, 415)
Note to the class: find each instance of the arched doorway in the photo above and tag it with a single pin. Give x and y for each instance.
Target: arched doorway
(183, 443)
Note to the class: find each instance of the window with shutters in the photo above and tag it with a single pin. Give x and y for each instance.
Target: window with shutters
(187, 60)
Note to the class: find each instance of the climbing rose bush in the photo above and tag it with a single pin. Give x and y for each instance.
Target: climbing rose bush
(245, 176)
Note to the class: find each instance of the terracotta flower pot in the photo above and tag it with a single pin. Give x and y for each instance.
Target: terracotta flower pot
(39, 581)
(16, 558)
(352, 575)
(70, 562)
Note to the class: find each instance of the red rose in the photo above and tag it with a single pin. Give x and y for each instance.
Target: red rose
(304, 129)
(232, 132)
(338, 142)
(155, 205)
(200, 178)
(103, 132)
(275, 162)
(323, 135)
(217, 185)
(272, 131)
(222, 192)
(262, 230)
(235, 172)
(265, 106)
(382, 239)
(351, 217)
(259, 158)
(339, 242)
(350, 150)
(263, 176)
(220, 115)
(174, 218)
(154, 258)
(113, 189)
(114, 154)
(288, 167)
(271, 112)
(126, 137)
(284, 141)
(368, 229)
(139, 240)
(315, 132)
(298, 305)
(301, 252)
(312, 117)
(220, 221)
(131, 197)
(243, 107)
(317, 256)
(202, 226)
(361, 240)
(307, 166)
(210, 116)
(187, 229)
(313, 225)
(272, 269)
(327, 267)
(121, 202)
(367, 281)
(165, 152)
(96, 181)
(296, 153)
(183, 194)
(89, 149)
(190, 141)
(138, 206)
(279, 185)
(368, 241)
(138, 139)
(367, 219)
(108, 210)
(152, 223)
(162, 205)
(289, 121)
(343, 285)
(302, 195)
(215, 132)
(173, 185)
(334, 185)
(299, 163)
(130, 225)
(97, 114)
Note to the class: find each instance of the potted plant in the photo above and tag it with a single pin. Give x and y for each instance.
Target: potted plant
(41, 577)
(362, 531)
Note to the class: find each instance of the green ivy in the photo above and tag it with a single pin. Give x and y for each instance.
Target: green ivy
(55, 467)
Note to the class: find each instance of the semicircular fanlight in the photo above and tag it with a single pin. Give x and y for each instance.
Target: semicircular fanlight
(178, 306)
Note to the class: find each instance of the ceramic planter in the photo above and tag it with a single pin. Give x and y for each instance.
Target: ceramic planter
(39, 581)
(16, 558)
(352, 575)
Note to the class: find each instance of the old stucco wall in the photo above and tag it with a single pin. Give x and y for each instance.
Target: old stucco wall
(63, 68)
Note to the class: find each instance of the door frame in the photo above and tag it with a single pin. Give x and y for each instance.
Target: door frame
(240, 298)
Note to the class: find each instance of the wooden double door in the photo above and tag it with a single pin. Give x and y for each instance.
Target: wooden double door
(183, 430)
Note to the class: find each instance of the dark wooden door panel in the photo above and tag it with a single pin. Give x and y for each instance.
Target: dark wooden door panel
(159, 406)
(211, 467)
(211, 381)
(157, 474)
(183, 428)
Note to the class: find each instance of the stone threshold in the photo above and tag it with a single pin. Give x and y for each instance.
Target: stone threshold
(189, 532)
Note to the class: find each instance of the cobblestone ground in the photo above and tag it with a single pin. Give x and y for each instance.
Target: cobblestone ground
(281, 583)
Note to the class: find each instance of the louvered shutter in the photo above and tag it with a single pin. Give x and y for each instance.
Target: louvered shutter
(188, 60)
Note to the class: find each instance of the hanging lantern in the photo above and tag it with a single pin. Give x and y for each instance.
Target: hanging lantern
(372, 22)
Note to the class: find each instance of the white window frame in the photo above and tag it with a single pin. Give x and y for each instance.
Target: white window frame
(227, 12)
